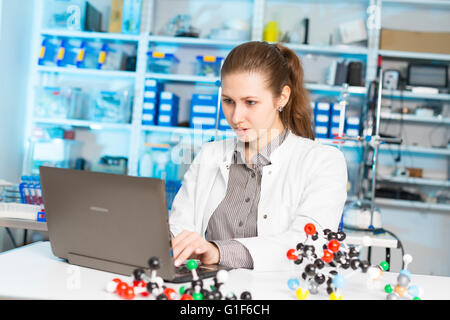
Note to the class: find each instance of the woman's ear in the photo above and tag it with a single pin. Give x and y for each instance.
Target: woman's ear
(284, 97)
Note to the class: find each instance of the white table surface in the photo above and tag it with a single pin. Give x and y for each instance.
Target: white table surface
(33, 272)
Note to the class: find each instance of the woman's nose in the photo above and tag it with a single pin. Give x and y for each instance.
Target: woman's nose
(238, 114)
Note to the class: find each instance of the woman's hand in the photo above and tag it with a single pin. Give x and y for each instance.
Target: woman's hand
(189, 244)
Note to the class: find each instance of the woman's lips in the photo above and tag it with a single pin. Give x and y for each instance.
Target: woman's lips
(241, 131)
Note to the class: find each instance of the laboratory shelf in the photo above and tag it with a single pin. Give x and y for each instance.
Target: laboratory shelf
(444, 3)
(416, 181)
(417, 150)
(414, 118)
(402, 94)
(94, 125)
(188, 131)
(182, 78)
(90, 35)
(414, 55)
(352, 90)
(412, 204)
(194, 41)
(329, 50)
(88, 72)
(340, 143)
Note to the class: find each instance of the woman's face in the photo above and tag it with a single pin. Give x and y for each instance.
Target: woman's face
(249, 107)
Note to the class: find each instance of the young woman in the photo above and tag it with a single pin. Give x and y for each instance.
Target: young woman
(244, 201)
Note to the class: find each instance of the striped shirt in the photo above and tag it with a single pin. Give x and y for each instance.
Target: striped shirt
(236, 215)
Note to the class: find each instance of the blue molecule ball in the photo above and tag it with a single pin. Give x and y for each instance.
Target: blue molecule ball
(293, 283)
(406, 273)
(339, 281)
(413, 291)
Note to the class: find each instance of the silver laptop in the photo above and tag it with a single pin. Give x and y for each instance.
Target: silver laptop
(111, 222)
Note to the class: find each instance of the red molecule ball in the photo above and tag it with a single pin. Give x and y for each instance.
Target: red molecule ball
(186, 297)
(291, 254)
(128, 293)
(310, 229)
(328, 256)
(334, 245)
(121, 288)
(170, 293)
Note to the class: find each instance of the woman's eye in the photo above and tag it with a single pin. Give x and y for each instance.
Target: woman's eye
(227, 101)
(251, 102)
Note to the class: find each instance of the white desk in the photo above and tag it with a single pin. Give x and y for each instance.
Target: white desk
(33, 272)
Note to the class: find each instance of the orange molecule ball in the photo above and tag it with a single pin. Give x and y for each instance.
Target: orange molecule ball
(328, 256)
(170, 293)
(186, 297)
(400, 290)
(310, 229)
(128, 293)
(291, 254)
(121, 288)
(334, 245)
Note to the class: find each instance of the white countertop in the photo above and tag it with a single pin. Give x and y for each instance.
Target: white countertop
(33, 272)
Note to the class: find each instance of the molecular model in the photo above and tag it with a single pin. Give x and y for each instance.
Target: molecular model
(403, 289)
(153, 287)
(324, 269)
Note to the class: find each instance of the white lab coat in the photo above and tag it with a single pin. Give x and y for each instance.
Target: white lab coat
(305, 182)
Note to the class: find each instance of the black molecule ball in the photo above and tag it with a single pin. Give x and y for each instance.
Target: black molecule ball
(153, 263)
(246, 295)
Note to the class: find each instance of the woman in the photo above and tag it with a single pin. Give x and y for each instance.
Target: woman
(244, 201)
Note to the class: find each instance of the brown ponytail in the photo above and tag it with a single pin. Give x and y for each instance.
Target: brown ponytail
(282, 67)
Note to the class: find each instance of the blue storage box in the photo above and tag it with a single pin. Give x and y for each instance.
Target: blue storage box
(168, 108)
(148, 118)
(321, 132)
(203, 122)
(323, 108)
(352, 126)
(159, 62)
(223, 123)
(208, 66)
(203, 111)
(153, 85)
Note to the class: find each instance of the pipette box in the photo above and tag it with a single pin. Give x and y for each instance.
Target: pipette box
(168, 108)
(160, 62)
(208, 66)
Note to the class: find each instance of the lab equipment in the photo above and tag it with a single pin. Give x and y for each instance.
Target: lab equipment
(58, 153)
(60, 102)
(111, 164)
(180, 26)
(131, 16)
(63, 14)
(48, 52)
(208, 66)
(110, 106)
(160, 62)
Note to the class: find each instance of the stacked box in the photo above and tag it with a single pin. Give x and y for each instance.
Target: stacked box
(335, 116)
(223, 123)
(168, 109)
(322, 119)
(203, 111)
(352, 126)
(150, 106)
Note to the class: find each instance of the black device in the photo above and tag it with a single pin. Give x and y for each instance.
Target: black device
(354, 73)
(93, 19)
(428, 75)
(341, 73)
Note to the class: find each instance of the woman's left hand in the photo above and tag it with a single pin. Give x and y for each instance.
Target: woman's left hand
(188, 244)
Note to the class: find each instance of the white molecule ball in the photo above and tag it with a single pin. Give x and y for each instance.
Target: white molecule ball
(111, 286)
(407, 258)
(222, 276)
